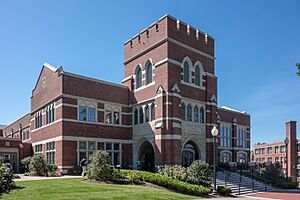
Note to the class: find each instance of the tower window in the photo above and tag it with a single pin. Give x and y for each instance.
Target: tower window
(189, 113)
(197, 76)
(141, 115)
(147, 113)
(148, 72)
(196, 114)
(182, 111)
(201, 115)
(186, 72)
(138, 77)
(136, 117)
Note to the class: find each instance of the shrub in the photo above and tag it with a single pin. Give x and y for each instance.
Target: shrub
(25, 162)
(274, 175)
(168, 182)
(37, 166)
(16, 176)
(287, 184)
(100, 169)
(199, 173)
(224, 191)
(176, 172)
(51, 170)
(132, 177)
(6, 178)
(76, 170)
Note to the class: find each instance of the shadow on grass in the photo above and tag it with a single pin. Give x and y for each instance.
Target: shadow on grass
(15, 188)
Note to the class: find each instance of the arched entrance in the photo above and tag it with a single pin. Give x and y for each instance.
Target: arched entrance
(189, 154)
(146, 156)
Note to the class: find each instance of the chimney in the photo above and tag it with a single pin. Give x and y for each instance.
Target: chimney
(292, 148)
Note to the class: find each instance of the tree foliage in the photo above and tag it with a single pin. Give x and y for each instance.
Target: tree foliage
(274, 174)
(6, 177)
(37, 166)
(100, 169)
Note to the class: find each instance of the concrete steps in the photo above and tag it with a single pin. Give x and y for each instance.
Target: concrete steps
(240, 185)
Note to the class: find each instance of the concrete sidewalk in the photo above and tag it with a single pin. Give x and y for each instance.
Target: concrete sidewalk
(33, 178)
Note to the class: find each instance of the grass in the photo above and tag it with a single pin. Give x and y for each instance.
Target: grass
(79, 189)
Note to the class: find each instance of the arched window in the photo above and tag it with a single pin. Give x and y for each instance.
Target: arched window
(182, 111)
(225, 157)
(148, 72)
(189, 113)
(201, 115)
(152, 112)
(147, 113)
(197, 76)
(186, 72)
(241, 158)
(138, 77)
(141, 116)
(196, 114)
(136, 117)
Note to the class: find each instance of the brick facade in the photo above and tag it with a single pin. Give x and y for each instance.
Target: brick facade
(162, 113)
(278, 151)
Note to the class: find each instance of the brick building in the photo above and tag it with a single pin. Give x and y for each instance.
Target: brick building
(1, 130)
(277, 151)
(162, 113)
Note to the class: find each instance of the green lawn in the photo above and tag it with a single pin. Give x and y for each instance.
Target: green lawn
(79, 189)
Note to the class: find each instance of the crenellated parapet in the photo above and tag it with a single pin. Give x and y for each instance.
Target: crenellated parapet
(168, 28)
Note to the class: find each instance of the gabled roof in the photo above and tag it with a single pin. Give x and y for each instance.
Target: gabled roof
(47, 66)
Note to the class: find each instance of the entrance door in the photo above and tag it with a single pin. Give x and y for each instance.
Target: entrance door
(11, 158)
(146, 157)
(189, 154)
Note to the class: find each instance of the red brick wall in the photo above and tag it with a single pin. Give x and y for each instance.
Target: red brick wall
(42, 94)
(94, 89)
(95, 130)
(22, 123)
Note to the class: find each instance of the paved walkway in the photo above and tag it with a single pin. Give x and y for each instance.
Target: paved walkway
(33, 178)
(282, 195)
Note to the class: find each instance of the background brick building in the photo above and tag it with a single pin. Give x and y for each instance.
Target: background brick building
(1, 130)
(278, 151)
(162, 113)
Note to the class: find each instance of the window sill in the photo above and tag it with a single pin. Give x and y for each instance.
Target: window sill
(192, 85)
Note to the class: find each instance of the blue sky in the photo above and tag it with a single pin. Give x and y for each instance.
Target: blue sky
(257, 45)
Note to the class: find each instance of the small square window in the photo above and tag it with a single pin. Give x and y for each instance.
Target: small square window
(92, 145)
(108, 146)
(82, 145)
(116, 146)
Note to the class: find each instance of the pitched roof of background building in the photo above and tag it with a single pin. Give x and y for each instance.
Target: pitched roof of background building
(231, 109)
(2, 126)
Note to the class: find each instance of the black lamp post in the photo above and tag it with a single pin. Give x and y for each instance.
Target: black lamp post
(286, 141)
(214, 133)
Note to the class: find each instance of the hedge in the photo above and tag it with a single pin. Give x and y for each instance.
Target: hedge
(167, 182)
(224, 191)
